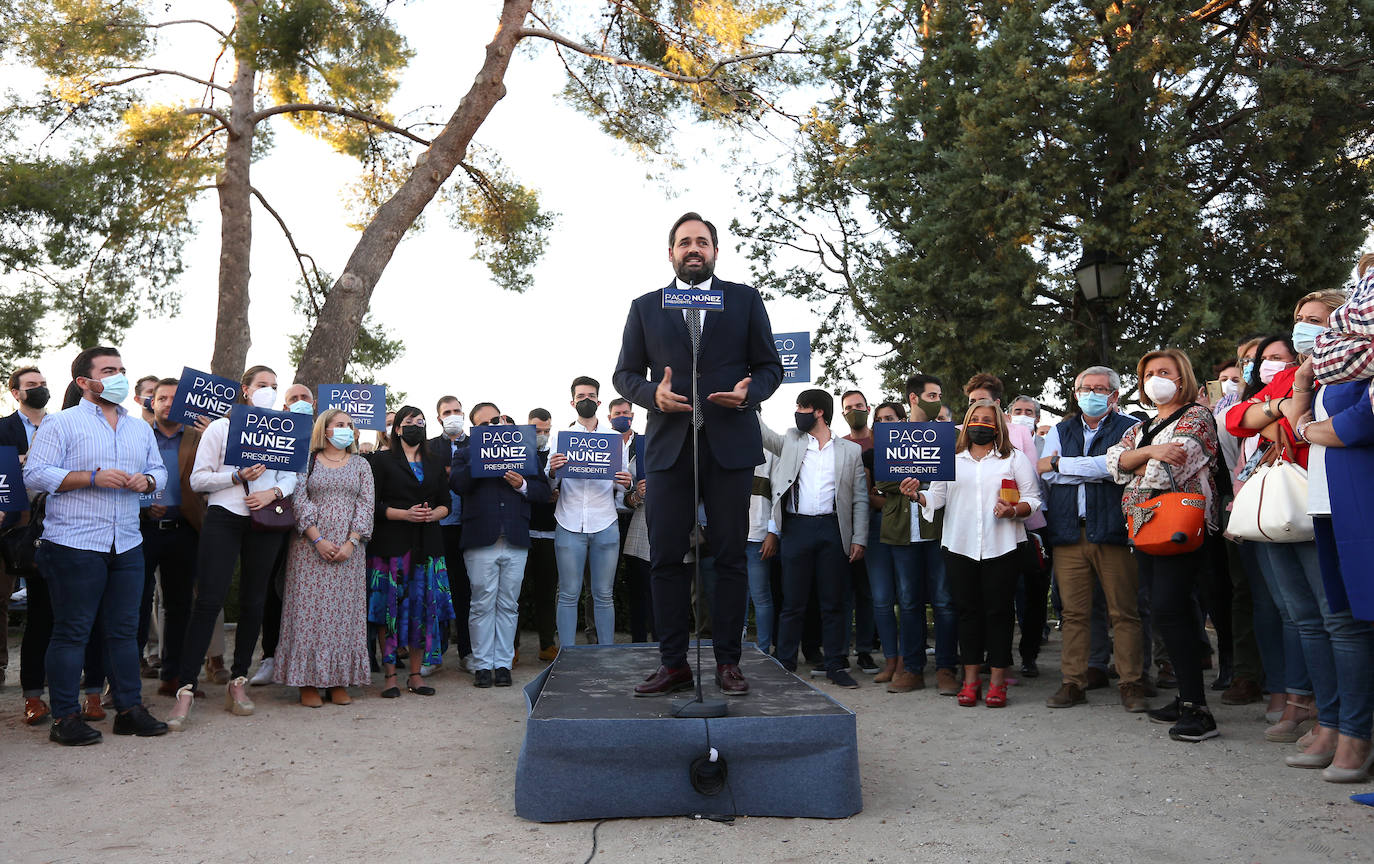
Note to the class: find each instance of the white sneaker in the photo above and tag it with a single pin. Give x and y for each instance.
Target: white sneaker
(264, 674)
(465, 663)
(427, 670)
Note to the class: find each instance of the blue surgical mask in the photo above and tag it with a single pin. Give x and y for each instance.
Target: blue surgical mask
(620, 424)
(1305, 336)
(1248, 372)
(116, 388)
(301, 407)
(1093, 404)
(341, 437)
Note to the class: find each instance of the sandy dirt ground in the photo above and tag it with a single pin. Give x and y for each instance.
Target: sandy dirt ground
(418, 779)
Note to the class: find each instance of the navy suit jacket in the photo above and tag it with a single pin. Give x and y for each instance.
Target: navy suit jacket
(735, 344)
(491, 507)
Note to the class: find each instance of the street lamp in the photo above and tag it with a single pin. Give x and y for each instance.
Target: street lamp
(1101, 276)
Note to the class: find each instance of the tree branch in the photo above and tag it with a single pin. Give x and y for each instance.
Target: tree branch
(295, 250)
(322, 108)
(161, 24)
(148, 72)
(209, 112)
(616, 60)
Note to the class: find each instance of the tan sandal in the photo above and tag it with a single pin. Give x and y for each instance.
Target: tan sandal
(339, 696)
(310, 697)
(1288, 731)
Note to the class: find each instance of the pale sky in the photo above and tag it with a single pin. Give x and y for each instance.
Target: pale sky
(463, 335)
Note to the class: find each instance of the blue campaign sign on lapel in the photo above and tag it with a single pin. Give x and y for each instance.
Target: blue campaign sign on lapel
(202, 396)
(365, 403)
(695, 298)
(591, 455)
(279, 440)
(494, 450)
(921, 450)
(795, 351)
(13, 498)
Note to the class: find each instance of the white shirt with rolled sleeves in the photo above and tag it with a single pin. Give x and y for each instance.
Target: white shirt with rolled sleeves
(970, 527)
(1077, 470)
(215, 480)
(586, 506)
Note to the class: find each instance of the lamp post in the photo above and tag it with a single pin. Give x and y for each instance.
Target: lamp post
(1101, 277)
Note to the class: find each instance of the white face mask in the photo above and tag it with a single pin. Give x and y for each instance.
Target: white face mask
(1160, 390)
(454, 424)
(1230, 388)
(264, 397)
(1023, 420)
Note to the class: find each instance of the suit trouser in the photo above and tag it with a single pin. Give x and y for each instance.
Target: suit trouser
(814, 555)
(1080, 567)
(173, 552)
(984, 591)
(671, 514)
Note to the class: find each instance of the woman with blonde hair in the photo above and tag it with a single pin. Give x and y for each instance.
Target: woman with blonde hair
(994, 490)
(1177, 450)
(324, 606)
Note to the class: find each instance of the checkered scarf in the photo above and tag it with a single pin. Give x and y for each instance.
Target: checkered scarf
(1345, 352)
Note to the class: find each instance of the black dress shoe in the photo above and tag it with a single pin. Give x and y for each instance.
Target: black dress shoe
(841, 678)
(482, 678)
(73, 732)
(867, 664)
(1029, 669)
(730, 680)
(664, 681)
(137, 721)
(501, 678)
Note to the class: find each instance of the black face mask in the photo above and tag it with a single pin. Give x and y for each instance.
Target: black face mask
(36, 397)
(980, 434)
(806, 421)
(586, 408)
(413, 435)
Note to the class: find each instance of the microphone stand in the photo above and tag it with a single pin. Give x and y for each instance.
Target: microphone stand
(697, 707)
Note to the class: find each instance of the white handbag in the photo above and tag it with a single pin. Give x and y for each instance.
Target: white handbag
(1272, 505)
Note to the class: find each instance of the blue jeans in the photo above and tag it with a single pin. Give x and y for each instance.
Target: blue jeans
(1338, 649)
(573, 550)
(82, 584)
(1297, 679)
(930, 561)
(495, 573)
(761, 593)
(1269, 635)
(894, 575)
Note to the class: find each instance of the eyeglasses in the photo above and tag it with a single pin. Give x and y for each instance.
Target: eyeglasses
(1101, 391)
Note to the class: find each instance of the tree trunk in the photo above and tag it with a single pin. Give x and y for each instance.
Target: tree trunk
(236, 221)
(336, 329)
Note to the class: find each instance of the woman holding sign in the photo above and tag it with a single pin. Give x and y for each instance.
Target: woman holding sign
(227, 538)
(408, 591)
(324, 607)
(994, 489)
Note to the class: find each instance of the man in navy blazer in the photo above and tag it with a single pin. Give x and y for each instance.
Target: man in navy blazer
(738, 366)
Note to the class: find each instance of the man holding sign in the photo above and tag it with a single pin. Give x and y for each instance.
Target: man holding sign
(586, 470)
(738, 366)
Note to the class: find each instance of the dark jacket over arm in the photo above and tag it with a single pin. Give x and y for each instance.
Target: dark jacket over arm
(396, 486)
(491, 508)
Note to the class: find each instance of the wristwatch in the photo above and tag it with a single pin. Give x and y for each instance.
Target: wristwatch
(1054, 462)
(152, 484)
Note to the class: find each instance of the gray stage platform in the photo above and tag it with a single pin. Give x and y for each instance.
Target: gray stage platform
(592, 750)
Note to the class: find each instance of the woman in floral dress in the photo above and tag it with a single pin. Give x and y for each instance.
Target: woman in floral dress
(324, 606)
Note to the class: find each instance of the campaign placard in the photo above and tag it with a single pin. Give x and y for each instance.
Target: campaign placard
(921, 450)
(365, 403)
(202, 396)
(279, 440)
(694, 298)
(13, 498)
(591, 455)
(494, 450)
(795, 351)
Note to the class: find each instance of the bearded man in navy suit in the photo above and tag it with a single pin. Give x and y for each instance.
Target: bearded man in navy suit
(738, 366)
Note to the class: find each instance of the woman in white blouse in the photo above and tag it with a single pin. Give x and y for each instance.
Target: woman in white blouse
(982, 529)
(226, 539)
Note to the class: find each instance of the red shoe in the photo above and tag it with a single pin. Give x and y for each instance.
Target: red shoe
(968, 694)
(997, 696)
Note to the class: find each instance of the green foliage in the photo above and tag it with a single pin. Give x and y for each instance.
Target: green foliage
(507, 224)
(373, 350)
(969, 152)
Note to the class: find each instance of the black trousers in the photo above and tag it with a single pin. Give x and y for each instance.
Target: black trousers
(460, 587)
(173, 550)
(33, 651)
(1034, 589)
(985, 595)
(539, 591)
(813, 556)
(1173, 581)
(271, 603)
(225, 540)
(641, 599)
(671, 515)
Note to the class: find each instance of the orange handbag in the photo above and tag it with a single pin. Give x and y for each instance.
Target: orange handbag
(1173, 523)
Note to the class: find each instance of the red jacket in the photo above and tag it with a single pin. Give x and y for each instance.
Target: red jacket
(1280, 386)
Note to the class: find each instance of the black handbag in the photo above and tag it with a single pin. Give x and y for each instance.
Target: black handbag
(19, 544)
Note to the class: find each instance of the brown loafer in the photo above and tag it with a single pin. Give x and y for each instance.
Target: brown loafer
(664, 681)
(730, 680)
(91, 708)
(35, 710)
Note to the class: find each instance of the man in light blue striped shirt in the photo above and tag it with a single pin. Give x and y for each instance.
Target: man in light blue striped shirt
(94, 459)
